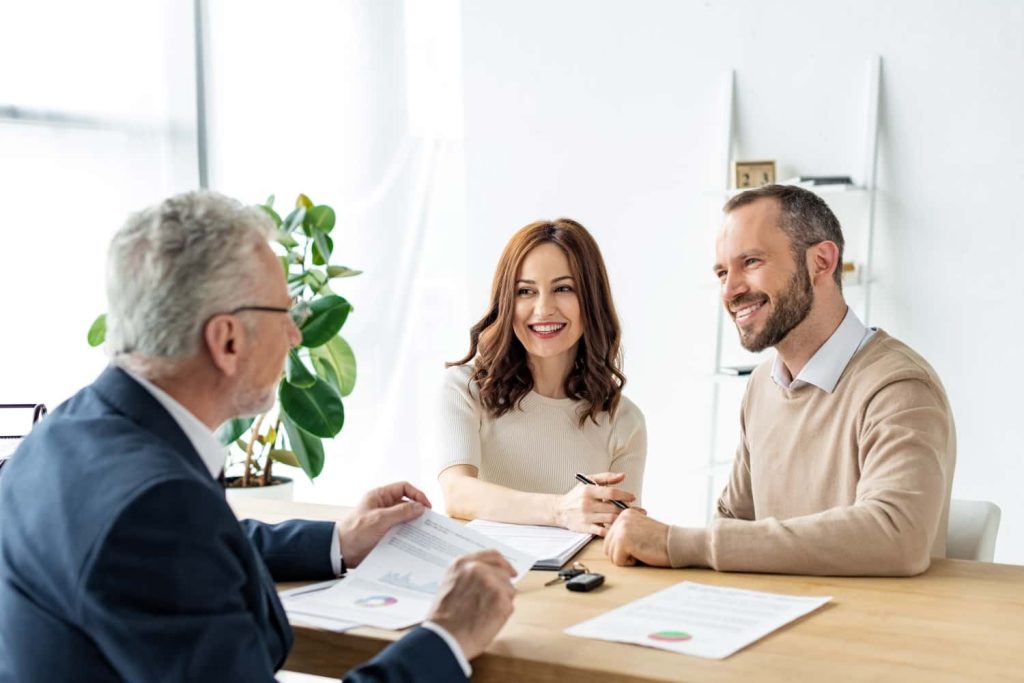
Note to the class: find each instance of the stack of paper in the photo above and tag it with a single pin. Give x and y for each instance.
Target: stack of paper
(395, 585)
(555, 546)
(696, 619)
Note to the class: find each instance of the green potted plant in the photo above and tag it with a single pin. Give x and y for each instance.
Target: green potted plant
(318, 374)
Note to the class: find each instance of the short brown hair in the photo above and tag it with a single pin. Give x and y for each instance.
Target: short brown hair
(806, 219)
(501, 371)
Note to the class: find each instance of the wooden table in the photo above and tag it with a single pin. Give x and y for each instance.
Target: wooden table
(960, 621)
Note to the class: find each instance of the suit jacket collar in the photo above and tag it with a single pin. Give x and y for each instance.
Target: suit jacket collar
(122, 393)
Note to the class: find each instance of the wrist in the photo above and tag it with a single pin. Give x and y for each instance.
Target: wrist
(457, 648)
(556, 511)
(686, 547)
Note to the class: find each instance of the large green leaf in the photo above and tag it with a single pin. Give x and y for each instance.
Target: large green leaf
(234, 428)
(297, 372)
(308, 449)
(98, 330)
(317, 409)
(323, 247)
(336, 363)
(328, 314)
(342, 271)
(273, 214)
(321, 218)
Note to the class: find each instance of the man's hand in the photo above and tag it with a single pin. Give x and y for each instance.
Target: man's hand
(475, 600)
(378, 511)
(636, 537)
(588, 508)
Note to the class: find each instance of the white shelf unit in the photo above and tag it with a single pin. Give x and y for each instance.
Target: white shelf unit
(727, 389)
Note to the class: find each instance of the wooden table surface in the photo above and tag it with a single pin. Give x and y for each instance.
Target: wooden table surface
(960, 621)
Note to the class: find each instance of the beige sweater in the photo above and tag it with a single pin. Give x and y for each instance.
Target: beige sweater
(856, 482)
(539, 447)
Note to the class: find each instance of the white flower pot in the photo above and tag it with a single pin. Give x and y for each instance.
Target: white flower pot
(283, 489)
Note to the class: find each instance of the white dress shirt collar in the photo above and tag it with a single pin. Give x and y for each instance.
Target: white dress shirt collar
(202, 439)
(827, 364)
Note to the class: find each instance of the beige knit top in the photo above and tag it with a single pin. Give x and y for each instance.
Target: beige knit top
(856, 482)
(539, 446)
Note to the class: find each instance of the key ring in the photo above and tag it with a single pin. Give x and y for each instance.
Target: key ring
(576, 569)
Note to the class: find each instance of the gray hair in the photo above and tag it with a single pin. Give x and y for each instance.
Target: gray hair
(170, 268)
(806, 219)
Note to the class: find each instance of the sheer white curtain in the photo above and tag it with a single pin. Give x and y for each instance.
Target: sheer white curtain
(97, 111)
(357, 103)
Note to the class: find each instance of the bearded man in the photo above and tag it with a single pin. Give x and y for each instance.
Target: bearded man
(847, 444)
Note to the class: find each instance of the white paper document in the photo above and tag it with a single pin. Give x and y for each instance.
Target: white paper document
(697, 619)
(294, 605)
(396, 583)
(553, 546)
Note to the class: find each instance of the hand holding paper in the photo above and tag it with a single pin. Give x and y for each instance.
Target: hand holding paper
(475, 600)
(397, 582)
(378, 511)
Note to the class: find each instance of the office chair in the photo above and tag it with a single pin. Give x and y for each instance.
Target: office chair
(9, 442)
(973, 525)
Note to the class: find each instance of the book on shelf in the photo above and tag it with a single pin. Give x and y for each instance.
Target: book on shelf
(824, 182)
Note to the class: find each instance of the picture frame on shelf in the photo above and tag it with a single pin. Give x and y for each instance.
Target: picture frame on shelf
(751, 174)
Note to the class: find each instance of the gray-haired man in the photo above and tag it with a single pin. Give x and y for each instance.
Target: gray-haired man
(119, 558)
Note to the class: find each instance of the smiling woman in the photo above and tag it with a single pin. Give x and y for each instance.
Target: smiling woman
(538, 398)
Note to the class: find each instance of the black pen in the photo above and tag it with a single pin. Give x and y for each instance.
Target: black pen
(583, 479)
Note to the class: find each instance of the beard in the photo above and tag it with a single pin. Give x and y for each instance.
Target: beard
(255, 401)
(254, 396)
(791, 307)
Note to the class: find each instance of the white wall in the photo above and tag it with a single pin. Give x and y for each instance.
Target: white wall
(611, 113)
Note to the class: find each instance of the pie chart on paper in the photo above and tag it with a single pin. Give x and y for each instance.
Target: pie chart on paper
(376, 601)
(670, 636)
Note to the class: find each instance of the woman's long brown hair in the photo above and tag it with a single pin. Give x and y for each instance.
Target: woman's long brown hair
(501, 371)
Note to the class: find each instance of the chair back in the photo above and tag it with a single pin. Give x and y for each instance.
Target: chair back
(973, 526)
(16, 422)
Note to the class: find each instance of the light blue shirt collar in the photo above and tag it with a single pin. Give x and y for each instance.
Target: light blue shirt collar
(827, 364)
(203, 440)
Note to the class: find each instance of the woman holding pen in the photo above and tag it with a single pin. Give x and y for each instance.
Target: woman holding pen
(538, 398)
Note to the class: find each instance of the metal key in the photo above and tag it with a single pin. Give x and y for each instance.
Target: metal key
(576, 569)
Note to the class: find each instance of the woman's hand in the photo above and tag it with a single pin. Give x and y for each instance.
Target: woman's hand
(589, 508)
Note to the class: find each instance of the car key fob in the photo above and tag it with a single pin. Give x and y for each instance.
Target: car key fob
(584, 582)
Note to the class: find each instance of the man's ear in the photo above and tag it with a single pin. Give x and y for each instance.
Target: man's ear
(824, 257)
(225, 340)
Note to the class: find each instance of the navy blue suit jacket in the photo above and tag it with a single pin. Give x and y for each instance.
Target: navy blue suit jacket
(120, 559)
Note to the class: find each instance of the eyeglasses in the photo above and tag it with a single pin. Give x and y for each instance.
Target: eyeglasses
(299, 313)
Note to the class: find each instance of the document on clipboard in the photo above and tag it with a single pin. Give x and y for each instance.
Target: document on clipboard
(553, 545)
